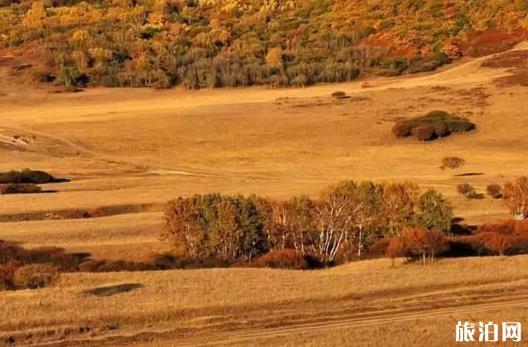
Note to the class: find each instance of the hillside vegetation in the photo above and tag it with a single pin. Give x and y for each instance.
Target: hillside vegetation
(215, 43)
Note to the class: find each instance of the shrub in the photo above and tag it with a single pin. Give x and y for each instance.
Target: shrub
(468, 191)
(23, 188)
(424, 133)
(339, 95)
(452, 163)
(166, 261)
(27, 176)
(113, 266)
(437, 123)
(283, 259)
(35, 276)
(494, 190)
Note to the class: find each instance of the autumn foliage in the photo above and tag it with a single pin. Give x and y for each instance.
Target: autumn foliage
(417, 242)
(431, 126)
(233, 43)
(515, 196)
(340, 225)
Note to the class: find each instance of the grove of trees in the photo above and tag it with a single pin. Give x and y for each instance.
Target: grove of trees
(345, 220)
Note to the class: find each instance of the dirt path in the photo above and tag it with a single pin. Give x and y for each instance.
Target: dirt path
(255, 325)
(325, 325)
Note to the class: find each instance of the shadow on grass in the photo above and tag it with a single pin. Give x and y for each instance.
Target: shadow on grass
(113, 290)
(467, 174)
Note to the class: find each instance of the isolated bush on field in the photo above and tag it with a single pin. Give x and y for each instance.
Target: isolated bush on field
(339, 95)
(434, 124)
(27, 176)
(35, 276)
(494, 190)
(452, 163)
(468, 191)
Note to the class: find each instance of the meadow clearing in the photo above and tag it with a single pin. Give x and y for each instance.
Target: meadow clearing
(129, 151)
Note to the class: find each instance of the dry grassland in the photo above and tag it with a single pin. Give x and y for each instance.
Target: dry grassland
(191, 307)
(135, 146)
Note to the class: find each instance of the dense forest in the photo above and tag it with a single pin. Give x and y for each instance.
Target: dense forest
(215, 43)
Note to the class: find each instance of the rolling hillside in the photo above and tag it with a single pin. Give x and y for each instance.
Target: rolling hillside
(233, 43)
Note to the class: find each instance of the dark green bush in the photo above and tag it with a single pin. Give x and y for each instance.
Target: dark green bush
(440, 123)
(27, 176)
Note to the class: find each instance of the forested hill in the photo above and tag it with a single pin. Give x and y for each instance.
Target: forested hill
(215, 43)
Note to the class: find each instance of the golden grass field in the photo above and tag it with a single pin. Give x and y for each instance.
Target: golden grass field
(144, 147)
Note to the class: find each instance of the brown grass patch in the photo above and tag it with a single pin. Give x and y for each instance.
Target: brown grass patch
(512, 59)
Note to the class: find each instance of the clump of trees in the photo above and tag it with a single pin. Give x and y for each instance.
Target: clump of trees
(25, 181)
(214, 225)
(343, 222)
(433, 125)
(502, 238)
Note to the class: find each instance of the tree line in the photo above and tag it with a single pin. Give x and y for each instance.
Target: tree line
(346, 220)
(233, 43)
